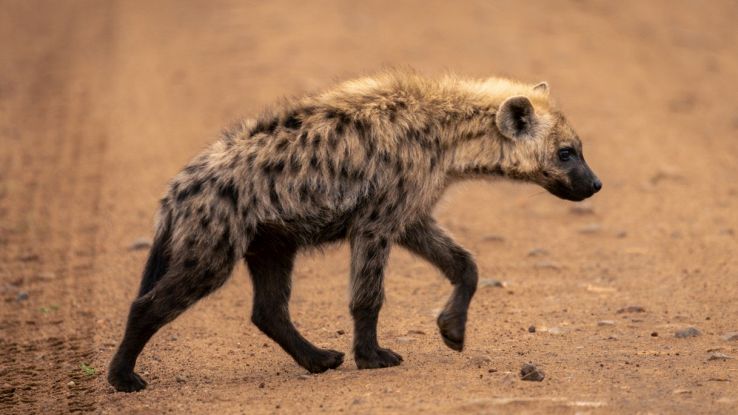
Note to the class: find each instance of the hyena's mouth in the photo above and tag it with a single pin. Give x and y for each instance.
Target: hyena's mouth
(564, 191)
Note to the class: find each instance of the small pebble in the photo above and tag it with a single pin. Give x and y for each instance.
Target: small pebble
(605, 323)
(494, 238)
(632, 309)
(405, 339)
(688, 332)
(537, 252)
(546, 264)
(591, 228)
(489, 282)
(583, 208)
(532, 329)
(180, 379)
(340, 332)
(140, 244)
(556, 330)
(261, 385)
(719, 356)
(732, 336)
(22, 296)
(71, 383)
(304, 377)
(479, 361)
(531, 373)
(654, 334)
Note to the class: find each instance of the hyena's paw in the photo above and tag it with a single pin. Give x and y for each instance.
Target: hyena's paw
(376, 358)
(126, 382)
(452, 326)
(323, 360)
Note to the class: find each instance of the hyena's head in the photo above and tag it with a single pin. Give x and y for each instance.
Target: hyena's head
(544, 148)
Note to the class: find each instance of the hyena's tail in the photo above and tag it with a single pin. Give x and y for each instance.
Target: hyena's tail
(159, 256)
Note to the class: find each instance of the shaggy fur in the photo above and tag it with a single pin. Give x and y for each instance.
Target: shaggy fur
(365, 161)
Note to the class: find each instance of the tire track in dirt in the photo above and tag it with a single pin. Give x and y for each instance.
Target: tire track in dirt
(53, 180)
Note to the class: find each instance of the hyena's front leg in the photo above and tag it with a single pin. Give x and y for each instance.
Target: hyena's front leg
(270, 259)
(428, 240)
(368, 259)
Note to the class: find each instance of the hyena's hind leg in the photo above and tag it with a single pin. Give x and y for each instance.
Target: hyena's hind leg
(270, 259)
(426, 239)
(192, 273)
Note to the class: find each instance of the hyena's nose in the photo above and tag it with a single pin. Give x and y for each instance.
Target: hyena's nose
(597, 185)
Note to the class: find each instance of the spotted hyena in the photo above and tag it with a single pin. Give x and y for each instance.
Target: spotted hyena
(365, 162)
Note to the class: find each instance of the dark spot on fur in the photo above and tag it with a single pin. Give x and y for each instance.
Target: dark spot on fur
(363, 128)
(278, 166)
(314, 162)
(316, 140)
(281, 145)
(370, 147)
(374, 215)
(292, 122)
(205, 221)
(229, 192)
(294, 164)
(304, 192)
(193, 168)
(344, 170)
(266, 126)
(190, 191)
(302, 139)
(273, 195)
(190, 263)
(250, 160)
(332, 141)
(330, 163)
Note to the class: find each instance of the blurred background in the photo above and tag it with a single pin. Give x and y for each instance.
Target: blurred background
(101, 102)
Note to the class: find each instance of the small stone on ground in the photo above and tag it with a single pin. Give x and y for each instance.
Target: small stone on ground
(732, 336)
(688, 332)
(719, 356)
(632, 309)
(489, 282)
(140, 244)
(531, 373)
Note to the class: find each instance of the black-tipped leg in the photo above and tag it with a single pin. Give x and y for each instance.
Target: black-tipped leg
(430, 242)
(368, 259)
(270, 259)
(176, 292)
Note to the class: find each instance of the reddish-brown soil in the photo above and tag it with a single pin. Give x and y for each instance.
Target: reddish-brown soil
(101, 102)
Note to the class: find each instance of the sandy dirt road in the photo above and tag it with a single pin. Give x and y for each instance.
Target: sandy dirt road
(102, 102)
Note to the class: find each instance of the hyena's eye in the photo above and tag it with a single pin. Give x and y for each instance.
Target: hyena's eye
(566, 153)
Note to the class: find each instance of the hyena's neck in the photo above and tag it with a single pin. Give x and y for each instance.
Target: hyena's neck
(470, 144)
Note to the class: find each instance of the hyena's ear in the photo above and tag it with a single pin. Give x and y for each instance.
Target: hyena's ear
(541, 87)
(516, 119)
